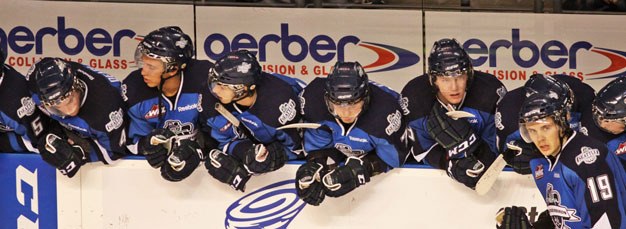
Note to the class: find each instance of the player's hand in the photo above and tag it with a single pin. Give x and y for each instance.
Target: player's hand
(156, 146)
(454, 135)
(57, 152)
(467, 170)
(512, 218)
(227, 169)
(346, 178)
(265, 158)
(519, 154)
(308, 185)
(185, 158)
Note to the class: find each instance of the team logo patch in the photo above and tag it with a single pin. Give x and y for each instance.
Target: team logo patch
(287, 111)
(225, 127)
(124, 90)
(116, 118)
(244, 67)
(179, 128)
(182, 43)
(27, 108)
(583, 130)
(272, 206)
(348, 151)
(559, 213)
(538, 172)
(498, 121)
(621, 149)
(302, 102)
(587, 155)
(154, 112)
(394, 120)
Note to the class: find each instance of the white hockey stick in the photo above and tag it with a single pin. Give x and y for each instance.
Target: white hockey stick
(229, 116)
(490, 176)
(300, 125)
(459, 114)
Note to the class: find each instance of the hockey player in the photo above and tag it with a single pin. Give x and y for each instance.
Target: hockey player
(582, 183)
(21, 123)
(609, 116)
(360, 136)
(163, 98)
(578, 96)
(252, 105)
(73, 94)
(463, 147)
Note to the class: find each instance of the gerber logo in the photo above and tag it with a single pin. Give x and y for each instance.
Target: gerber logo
(273, 206)
(553, 54)
(321, 48)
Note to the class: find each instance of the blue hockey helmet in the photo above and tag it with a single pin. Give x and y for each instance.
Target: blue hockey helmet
(609, 103)
(238, 70)
(347, 84)
(540, 106)
(168, 44)
(53, 80)
(448, 59)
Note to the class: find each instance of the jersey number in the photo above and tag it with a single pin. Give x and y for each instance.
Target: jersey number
(601, 185)
(37, 126)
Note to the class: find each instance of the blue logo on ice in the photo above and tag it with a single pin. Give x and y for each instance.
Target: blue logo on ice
(273, 206)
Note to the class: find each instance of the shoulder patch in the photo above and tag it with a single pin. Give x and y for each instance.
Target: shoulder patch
(116, 118)
(587, 155)
(287, 111)
(27, 108)
(394, 120)
(404, 104)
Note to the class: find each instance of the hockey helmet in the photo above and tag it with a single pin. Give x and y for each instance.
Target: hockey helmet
(347, 84)
(610, 103)
(539, 83)
(3, 57)
(237, 70)
(167, 44)
(448, 59)
(540, 106)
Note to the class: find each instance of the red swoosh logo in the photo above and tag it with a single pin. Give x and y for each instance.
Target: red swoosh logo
(617, 62)
(384, 56)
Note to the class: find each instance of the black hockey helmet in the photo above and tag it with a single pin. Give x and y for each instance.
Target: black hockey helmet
(539, 106)
(3, 57)
(168, 44)
(539, 83)
(447, 58)
(238, 70)
(52, 79)
(609, 103)
(347, 84)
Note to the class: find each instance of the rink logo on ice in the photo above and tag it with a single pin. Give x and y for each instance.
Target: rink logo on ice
(321, 48)
(272, 206)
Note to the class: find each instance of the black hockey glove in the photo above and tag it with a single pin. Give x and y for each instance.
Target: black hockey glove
(185, 158)
(265, 158)
(156, 146)
(512, 218)
(57, 152)
(518, 155)
(308, 183)
(456, 136)
(227, 169)
(466, 170)
(346, 178)
(544, 221)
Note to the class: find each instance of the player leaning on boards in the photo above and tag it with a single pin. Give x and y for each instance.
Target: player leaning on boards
(242, 108)
(609, 117)
(578, 97)
(71, 94)
(21, 123)
(582, 183)
(360, 135)
(163, 98)
(464, 147)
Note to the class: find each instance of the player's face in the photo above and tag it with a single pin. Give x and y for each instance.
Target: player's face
(223, 92)
(348, 112)
(68, 106)
(152, 71)
(451, 89)
(545, 134)
(611, 126)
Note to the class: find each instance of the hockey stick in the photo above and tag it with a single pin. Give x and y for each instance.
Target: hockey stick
(490, 176)
(300, 125)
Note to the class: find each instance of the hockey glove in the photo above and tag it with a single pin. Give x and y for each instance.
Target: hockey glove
(466, 170)
(265, 158)
(456, 136)
(346, 178)
(185, 158)
(512, 218)
(308, 185)
(59, 153)
(519, 154)
(156, 146)
(227, 169)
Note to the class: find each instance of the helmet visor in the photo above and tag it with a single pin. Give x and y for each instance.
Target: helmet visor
(66, 105)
